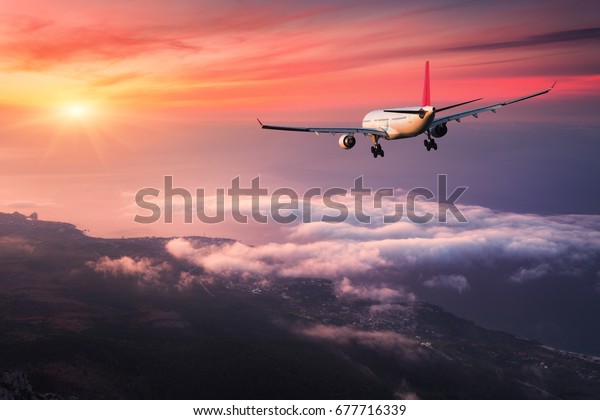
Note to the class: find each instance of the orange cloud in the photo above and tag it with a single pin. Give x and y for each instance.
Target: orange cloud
(52, 44)
(266, 57)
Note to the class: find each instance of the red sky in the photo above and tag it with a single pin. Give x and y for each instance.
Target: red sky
(101, 98)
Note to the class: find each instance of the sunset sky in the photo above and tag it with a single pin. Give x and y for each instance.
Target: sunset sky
(99, 99)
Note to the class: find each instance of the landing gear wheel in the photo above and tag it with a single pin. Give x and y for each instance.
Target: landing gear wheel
(377, 150)
(374, 151)
(430, 144)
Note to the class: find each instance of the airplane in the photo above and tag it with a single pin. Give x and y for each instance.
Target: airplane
(401, 123)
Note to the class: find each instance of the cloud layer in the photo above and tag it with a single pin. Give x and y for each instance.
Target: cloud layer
(319, 259)
(531, 246)
(533, 275)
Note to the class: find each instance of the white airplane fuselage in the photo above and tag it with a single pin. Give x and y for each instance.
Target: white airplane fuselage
(400, 126)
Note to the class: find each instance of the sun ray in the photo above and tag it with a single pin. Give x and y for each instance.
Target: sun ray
(96, 146)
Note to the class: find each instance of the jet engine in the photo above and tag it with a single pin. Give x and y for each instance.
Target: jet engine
(347, 141)
(439, 131)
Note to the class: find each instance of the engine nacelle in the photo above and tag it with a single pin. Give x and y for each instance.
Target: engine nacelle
(347, 141)
(439, 131)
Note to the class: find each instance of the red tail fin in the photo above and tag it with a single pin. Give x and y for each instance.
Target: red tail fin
(426, 94)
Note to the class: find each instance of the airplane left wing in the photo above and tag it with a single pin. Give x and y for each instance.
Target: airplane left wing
(332, 130)
(475, 112)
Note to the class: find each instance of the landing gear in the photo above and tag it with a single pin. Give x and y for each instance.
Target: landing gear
(430, 143)
(377, 150)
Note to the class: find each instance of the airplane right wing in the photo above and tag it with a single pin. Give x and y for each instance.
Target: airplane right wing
(475, 112)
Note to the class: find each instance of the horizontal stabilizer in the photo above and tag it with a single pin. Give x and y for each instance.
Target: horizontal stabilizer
(405, 111)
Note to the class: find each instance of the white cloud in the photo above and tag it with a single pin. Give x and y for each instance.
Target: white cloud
(187, 279)
(451, 281)
(384, 340)
(318, 259)
(15, 245)
(532, 273)
(145, 270)
(389, 307)
(381, 293)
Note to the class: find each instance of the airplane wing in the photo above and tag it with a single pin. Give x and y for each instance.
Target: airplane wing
(332, 130)
(475, 112)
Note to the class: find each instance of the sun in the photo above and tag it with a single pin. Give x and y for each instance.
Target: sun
(80, 124)
(77, 111)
